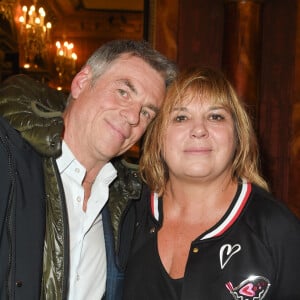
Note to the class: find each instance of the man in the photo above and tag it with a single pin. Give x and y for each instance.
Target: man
(53, 192)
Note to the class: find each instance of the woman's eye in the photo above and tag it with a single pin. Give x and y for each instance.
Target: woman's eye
(216, 117)
(180, 118)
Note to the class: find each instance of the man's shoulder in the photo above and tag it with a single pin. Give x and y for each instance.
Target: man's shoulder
(35, 111)
(128, 181)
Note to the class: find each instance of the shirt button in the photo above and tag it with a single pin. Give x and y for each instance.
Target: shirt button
(77, 170)
(77, 277)
(78, 199)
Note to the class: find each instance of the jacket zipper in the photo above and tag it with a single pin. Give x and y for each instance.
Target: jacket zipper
(8, 214)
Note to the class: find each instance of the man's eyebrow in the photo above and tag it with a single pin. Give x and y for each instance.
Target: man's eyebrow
(133, 89)
(153, 107)
(128, 84)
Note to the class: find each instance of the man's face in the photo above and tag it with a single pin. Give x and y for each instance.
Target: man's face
(110, 116)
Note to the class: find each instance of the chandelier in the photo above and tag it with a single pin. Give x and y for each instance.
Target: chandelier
(6, 9)
(65, 62)
(34, 37)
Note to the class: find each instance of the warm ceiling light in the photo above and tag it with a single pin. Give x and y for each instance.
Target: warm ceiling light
(34, 35)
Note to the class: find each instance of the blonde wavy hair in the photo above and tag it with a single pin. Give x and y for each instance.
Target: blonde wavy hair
(201, 84)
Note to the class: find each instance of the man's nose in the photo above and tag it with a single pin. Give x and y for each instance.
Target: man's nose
(132, 114)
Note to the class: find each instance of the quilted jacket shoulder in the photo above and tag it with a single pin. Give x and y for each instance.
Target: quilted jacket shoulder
(35, 110)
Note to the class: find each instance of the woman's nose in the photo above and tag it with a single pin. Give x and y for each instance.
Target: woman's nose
(199, 130)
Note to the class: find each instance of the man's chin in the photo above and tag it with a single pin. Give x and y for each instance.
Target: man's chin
(124, 150)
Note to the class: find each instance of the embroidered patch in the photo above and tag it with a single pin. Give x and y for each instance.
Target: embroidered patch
(226, 252)
(253, 288)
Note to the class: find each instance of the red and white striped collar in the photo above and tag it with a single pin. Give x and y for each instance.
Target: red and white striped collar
(226, 223)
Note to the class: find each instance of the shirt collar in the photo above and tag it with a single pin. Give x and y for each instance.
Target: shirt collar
(107, 174)
(68, 163)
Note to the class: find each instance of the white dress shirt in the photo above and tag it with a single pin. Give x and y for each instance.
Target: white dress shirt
(87, 247)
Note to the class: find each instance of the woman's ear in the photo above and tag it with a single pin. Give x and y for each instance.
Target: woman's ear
(79, 81)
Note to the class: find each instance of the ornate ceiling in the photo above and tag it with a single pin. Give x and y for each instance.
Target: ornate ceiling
(68, 7)
(89, 23)
(86, 23)
(111, 4)
(63, 12)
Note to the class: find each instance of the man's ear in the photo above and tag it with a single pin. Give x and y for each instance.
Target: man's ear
(80, 80)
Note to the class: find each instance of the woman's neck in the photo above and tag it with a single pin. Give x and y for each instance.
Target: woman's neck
(193, 198)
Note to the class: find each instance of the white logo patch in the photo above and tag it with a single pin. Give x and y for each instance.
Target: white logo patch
(226, 252)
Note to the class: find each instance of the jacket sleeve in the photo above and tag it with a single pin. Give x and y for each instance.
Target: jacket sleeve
(285, 246)
(22, 216)
(278, 229)
(5, 187)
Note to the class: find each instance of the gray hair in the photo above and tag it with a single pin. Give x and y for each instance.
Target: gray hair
(101, 59)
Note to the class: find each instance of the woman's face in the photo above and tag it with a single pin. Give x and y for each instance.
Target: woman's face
(200, 141)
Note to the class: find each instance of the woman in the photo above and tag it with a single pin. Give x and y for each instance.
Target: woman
(211, 230)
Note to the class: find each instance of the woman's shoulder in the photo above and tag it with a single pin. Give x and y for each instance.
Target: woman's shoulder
(265, 200)
(266, 211)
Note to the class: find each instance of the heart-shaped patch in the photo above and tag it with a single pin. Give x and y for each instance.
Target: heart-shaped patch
(253, 288)
(226, 252)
